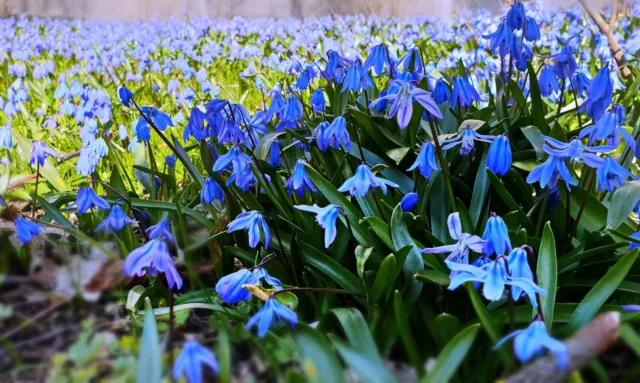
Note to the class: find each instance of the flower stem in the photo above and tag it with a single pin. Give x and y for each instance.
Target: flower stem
(35, 192)
(171, 331)
(318, 290)
(562, 85)
(443, 163)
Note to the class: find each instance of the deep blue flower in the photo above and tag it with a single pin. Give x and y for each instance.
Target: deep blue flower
(357, 79)
(160, 120)
(497, 236)
(519, 268)
(608, 128)
(26, 230)
(631, 307)
(363, 181)
(306, 76)
(565, 64)
(230, 288)
(403, 99)
(191, 359)
(336, 67)
(599, 95)
(441, 92)
(115, 221)
(499, 155)
(6, 139)
(550, 171)
(271, 313)
(548, 82)
(40, 151)
(532, 341)
(260, 273)
(494, 277)
(500, 40)
(464, 94)
(412, 63)
(238, 160)
(334, 135)
(299, 180)
(409, 202)
(620, 112)
(516, 16)
(636, 235)
(152, 258)
(318, 103)
(274, 154)
(292, 110)
(426, 161)
(87, 199)
(326, 218)
(195, 125)
(378, 59)
(125, 95)
(580, 83)
(464, 242)
(161, 230)
(611, 175)
(253, 223)
(211, 191)
(466, 139)
(531, 31)
(575, 150)
(170, 161)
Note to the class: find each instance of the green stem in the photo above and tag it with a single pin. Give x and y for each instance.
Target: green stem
(443, 163)
(35, 192)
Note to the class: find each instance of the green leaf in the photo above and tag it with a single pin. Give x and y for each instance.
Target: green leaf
(439, 206)
(486, 320)
(448, 326)
(150, 356)
(362, 255)
(55, 213)
(168, 206)
(537, 113)
(355, 328)
(588, 308)
(547, 273)
(452, 356)
(629, 335)
(369, 370)
(318, 359)
(186, 162)
(384, 278)
(535, 138)
(332, 269)
(623, 201)
(223, 352)
(401, 238)
(433, 276)
(48, 171)
(480, 189)
(408, 340)
(263, 147)
(381, 228)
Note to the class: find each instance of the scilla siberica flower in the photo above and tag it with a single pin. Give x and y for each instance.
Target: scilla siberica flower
(426, 161)
(611, 175)
(532, 341)
(160, 120)
(464, 242)
(317, 101)
(402, 102)
(565, 64)
(115, 221)
(334, 135)
(441, 92)
(238, 160)
(190, 360)
(152, 258)
(409, 202)
(252, 222)
(170, 161)
(125, 95)
(599, 95)
(519, 268)
(364, 180)
(161, 230)
(580, 82)
(548, 82)
(211, 191)
(271, 313)
(6, 139)
(531, 31)
(412, 63)
(378, 59)
(26, 230)
(466, 138)
(494, 277)
(575, 150)
(608, 128)
(516, 16)
(357, 78)
(326, 218)
(497, 236)
(299, 180)
(39, 152)
(274, 154)
(464, 94)
(230, 288)
(499, 155)
(87, 199)
(550, 171)
(501, 39)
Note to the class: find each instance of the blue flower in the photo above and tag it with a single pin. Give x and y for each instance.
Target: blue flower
(125, 95)
(210, 192)
(271, 313)
(575, 150)
(608, 128)
(497, 236)
(531, 31)
(441, 92)
(631, 307)
(409, 202)
(467, 139)
(152, 258)
(252, 222)
(501, 39)
(516, 16)
(195, 125)
(635, 235)
(464, 242)
(565, 64)
(378, 59)
(403, 98)
(519, 268)
(299, 180)
(550, 171)
(326, 218)
(599, 95)
(620, 113)
(260, 273)
(238, 160)
(612, 175)
(26, 230)
(306, 76)
(580, 83)
(161, 230)
(115, 221)
(463, 93)
(426, 161)
(39, 152)
(548, 82)
(334, 135)
(531, 342)
(412, 63)
(87, 199)
(191, 359)
(292, 110)
(499, 155)
(357, 79)
(363, 181)
(274, 154)
(494, 277)
(160, 120)
(230, 288)
(336, 66)
(318, 103)
(6, 139)
(170, 161)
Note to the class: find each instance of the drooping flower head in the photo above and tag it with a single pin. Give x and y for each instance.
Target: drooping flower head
(333, 135)
(532, 341)
(125, 95)
(516, 16)
(153, 258)
(409, 202)
(191, 359)
(464, 242)
(115, 221)
(599, 95)
(271, 313)
(550, 171)
(211, 191)
(26, 230)
(611, 175)
(426, 161)
(299, 180)
(500, 40)
(402, 100)
(317, 101)
(40, 151)
(326, 218)
(363, 181)
(230, 288)
(497, 236)
(357, 79)
(499, 155)
(87, 199)
(253, 223)
(464, 94)
(378, 59)
(519, 268)
(548, 82)
(161, 230)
